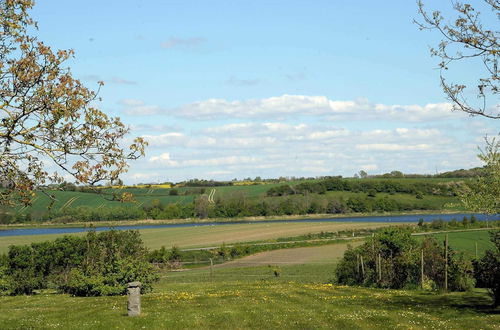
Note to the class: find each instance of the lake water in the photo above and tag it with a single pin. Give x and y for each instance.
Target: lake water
(398, 218)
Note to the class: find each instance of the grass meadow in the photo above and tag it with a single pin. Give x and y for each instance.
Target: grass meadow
(240, 301)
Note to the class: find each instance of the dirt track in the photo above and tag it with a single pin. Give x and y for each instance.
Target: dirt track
(315, 254)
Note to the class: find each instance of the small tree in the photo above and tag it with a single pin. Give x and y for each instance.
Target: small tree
(467, 40)
(47, 116)
(201, 206)
(483, 194)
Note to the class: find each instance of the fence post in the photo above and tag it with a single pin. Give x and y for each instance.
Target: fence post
(362, 267)
(211, 270)
(357, 263)
(446, 263)
(422, 268)
(379, 268)
(134, 299)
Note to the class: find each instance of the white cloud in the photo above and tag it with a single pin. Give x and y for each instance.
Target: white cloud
(415, 113)
(290, 106)
(166, 139)
(328, 134)
(369, 167)
(392, 147)
(274, 149)
(221, 161)
(164, 159)
(273, 136)
(153, 128)
(294, 135)
(218, 173)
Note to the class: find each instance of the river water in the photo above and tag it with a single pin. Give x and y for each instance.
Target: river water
(396, 218)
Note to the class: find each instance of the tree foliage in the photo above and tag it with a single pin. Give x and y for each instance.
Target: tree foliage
(487, 269)
(466, 39)
(391, 259)
(483, 195)
(94, 265)
(47, 117)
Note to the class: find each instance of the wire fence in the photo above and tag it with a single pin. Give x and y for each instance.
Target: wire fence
(288, 266)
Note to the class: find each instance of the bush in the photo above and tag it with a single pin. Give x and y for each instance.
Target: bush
(400, 263)
(487, 269)
(64, 219)
(96, 264)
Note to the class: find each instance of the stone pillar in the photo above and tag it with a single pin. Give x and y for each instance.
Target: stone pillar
(134, 299)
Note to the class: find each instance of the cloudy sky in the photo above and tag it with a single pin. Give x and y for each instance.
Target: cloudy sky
(236, 89)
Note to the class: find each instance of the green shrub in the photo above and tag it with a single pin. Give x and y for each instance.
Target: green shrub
(64, 219)
(92, 265)
(487, 269)
(400, 263)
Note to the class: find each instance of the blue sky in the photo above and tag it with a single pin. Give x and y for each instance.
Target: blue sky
(235, 89)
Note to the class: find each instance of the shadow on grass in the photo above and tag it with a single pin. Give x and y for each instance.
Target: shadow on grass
(476, 301)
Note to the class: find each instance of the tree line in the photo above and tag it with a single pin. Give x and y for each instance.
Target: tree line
(236, 205)
(366, 186)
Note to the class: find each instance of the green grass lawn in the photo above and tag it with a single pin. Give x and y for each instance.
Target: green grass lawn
(258, 304)
(250, 296)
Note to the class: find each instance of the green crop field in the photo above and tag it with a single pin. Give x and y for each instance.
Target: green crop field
(141, 196)
(144, 196)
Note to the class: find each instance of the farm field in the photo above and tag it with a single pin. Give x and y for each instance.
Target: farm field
(203, 236)
(325, 254)
(188, 237)
(65, 199)
(304, 264)
(144, 196)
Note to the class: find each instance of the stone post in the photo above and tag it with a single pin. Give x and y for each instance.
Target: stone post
(134, 299)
